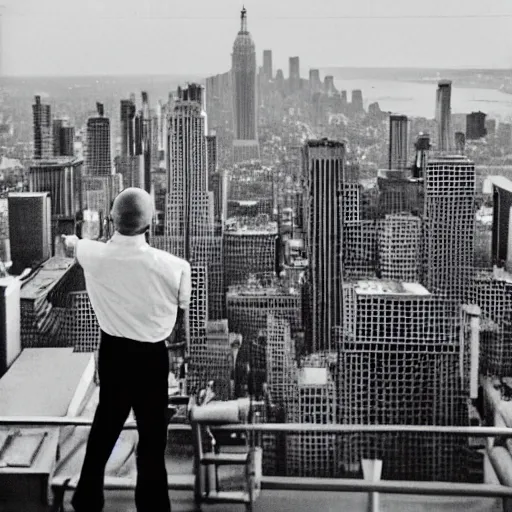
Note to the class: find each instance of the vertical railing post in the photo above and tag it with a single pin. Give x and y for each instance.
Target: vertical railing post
(372, 469)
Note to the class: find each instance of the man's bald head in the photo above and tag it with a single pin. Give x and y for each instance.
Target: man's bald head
(132, 211)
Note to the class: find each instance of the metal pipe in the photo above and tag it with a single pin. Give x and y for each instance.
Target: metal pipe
(61, 421)
(370, 429)
(385, 487)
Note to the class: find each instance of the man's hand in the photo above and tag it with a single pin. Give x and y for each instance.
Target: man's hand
(70, 242)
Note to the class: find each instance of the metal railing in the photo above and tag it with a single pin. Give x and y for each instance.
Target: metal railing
(328, 484)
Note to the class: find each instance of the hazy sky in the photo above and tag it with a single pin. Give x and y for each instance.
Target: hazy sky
(70, 37)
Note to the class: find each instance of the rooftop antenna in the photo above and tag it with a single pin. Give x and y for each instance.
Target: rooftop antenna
(243, 19)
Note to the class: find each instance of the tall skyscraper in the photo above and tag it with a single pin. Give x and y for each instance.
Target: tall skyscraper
(329, 87)
(444, 115)
(67, 141)
(245, 146)
(188, 211)
(315, 84)
(127, 160)
(294, 74)
(63, 138)
(267, 64)
(127, 128)
(475, 125)
(97, 155)
(323, 173)
(1, 41)
(449, 226)
(460, 142)
(43, 140)
(29, 229)
(211, 146)
(61, 177)
(146, 143)
(398, 142)
(357, 101)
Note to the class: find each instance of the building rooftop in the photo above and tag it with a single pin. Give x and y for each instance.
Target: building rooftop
(258, 290)
(43, 280)
(313, 376)
(497, 181)
(235, 228)
(56, 161)
(377, 287)
(327, 143)
(441, 157)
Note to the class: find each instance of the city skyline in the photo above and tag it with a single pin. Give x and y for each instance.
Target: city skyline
(131, 38)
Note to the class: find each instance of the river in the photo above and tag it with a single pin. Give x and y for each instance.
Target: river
(418, 99)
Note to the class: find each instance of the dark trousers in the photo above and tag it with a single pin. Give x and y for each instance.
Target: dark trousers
(134, 375)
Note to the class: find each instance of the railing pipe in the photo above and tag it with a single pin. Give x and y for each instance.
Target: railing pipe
(61, 421)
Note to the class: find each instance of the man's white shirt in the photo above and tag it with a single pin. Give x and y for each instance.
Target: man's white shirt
(135, 289)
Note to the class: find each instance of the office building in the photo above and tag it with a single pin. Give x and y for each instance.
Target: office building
(127, 160)
(323, 175)
(315, 84)
(29, 229)
(42, 124)
(357, 101)
(98, 192)
(127, 127)
(399, 363)
(268, 72)
(61, 178)
(250, 251)
(146, 144)
(313, 454)
(218, 183)
(399, 245)
(398, 142)
(501, 251)
(5, 244)
(219, 100)
(211, 153)
(449, 226)
(490, 127)
(398, 193)
(98, 152)
(10, 322)
(329, 88)
(245, 120)
(422, 147)
(492, 291)
(460, 143)
(505, 135)
(294, 75)
(444, 115)
(247, 308)
(189, 211)
(475, 126)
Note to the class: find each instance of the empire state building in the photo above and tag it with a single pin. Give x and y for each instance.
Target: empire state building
(245, 144)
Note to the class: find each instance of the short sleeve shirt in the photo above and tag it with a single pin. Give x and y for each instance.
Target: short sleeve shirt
(134, 289)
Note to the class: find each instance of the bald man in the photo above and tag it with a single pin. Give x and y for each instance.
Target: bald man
(137, 293)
